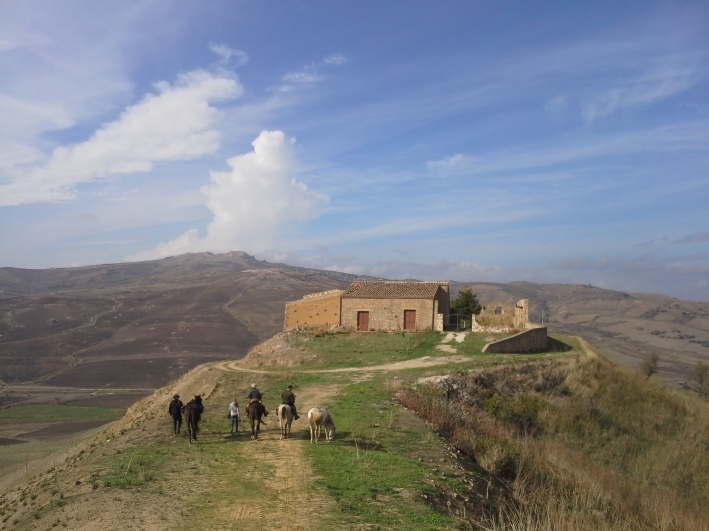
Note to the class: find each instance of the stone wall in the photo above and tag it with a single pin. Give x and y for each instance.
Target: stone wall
(318, 310)
(387, 314)
(501, 316)
(533, 340)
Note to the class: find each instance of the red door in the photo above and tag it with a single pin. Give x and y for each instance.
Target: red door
(409, 319)
(363, 321)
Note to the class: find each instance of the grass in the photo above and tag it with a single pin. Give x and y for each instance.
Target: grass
(336, 350)
(132, 468)
(581, 444)
(369, 468)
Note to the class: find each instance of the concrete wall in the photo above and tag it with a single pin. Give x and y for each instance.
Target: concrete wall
(534, 340)
(387, 314)
(318, 310)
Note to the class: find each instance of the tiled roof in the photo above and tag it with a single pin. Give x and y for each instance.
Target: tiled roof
(392, 290)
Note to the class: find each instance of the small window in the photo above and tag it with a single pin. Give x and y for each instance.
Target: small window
(498, 310)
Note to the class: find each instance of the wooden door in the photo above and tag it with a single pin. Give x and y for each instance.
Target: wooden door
(409, 319)
(363, 321)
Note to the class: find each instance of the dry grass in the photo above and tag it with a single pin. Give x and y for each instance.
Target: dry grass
(581, 445)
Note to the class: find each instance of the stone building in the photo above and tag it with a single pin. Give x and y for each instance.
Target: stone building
(503, 316)
(370, 305)
(317, 310)
(415, 306)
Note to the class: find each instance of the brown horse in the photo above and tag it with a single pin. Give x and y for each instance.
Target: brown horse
(192, 413)
(254, 411)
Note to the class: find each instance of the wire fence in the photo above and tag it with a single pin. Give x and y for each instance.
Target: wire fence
(458, 321)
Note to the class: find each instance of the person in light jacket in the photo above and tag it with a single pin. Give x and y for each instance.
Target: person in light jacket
(234, 414)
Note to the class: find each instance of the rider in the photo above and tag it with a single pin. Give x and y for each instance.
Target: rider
(255, 395)
(288, 397)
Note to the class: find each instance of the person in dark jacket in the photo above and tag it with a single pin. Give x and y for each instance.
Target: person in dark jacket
(255, 394)
(175, 411)
(288, 397)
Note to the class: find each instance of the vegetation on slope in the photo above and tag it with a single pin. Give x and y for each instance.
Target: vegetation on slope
(580, 444)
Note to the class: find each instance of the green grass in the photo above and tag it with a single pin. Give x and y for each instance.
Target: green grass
(361, 350)
(371, 469)
(34, 413)
(133, 468)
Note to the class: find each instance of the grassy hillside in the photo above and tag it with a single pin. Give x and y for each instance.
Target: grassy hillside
(560, 440)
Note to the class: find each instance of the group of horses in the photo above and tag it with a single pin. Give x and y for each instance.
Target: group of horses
(255, 410)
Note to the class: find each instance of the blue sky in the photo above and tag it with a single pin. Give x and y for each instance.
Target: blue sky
(489, 141)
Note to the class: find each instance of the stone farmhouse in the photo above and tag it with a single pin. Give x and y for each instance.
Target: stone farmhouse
(374, 306)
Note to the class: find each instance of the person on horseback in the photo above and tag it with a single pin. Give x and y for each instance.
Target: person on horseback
(255, 396)
(175, 411)
(288, 398)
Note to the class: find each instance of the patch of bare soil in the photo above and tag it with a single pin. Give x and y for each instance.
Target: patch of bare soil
(61, 429)
(279, 351)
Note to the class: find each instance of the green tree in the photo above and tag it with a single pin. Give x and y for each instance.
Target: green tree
(700, 377)
(466, 303)
(649, 365)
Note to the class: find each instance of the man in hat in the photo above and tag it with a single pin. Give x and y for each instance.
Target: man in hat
(288, 398)
(175, 411)
(255, 395)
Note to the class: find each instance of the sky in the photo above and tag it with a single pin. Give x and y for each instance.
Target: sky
(462, 140)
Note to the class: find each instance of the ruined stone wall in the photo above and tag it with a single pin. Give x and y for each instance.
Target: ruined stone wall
(488, 318)
(521, 315)
(318, 310)
(510, 316)
(387, 314)
(534, 340)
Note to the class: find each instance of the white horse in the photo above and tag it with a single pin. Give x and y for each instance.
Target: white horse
(285, 419)
(318, 417)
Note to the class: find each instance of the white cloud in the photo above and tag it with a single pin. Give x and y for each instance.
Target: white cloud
(250, 203)
(336, 59)
(226, 53)
(686, 136)
(653, 85)
(174, 124)
(307, 75)
(556, 105)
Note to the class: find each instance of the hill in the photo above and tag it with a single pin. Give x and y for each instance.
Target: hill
(136, 326)
(140, 325)
(558, 440)
(626, 327)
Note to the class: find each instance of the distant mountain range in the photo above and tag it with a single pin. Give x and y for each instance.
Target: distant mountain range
(143, 324)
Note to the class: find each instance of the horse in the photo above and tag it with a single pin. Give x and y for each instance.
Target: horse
(192, 411)
(254, 411)
(319, 416)
(285, 419)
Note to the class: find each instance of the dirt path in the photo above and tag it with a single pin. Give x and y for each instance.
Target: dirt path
(417, 363)
(287, 496)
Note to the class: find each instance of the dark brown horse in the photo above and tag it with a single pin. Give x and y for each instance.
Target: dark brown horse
(254, 411)
(192, 413)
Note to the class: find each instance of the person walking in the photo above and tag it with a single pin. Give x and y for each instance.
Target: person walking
(234, 414)
(175, 411)
(288, 398)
